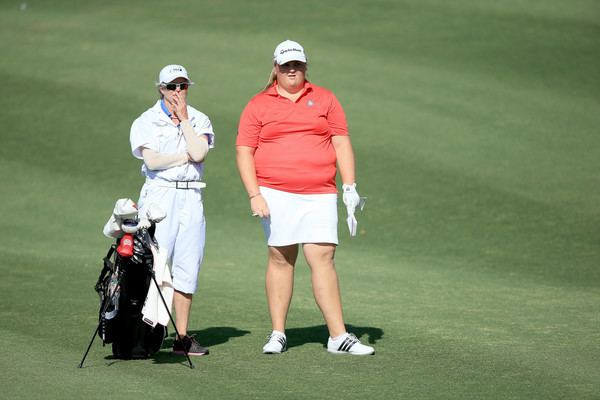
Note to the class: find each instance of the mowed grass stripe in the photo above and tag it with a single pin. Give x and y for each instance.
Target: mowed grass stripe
(475, 273)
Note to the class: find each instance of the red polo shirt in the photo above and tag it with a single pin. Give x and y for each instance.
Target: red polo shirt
(294, 152)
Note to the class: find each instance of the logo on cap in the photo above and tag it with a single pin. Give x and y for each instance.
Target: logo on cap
(283, 51)
(289, 51)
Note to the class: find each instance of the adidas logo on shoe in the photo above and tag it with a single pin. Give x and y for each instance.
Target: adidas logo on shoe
(276, 343)
(348, 344)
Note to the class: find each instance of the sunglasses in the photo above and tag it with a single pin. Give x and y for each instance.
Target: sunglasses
(173, 86)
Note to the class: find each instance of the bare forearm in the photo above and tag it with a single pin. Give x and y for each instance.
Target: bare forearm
(247, 169)
(345, 158)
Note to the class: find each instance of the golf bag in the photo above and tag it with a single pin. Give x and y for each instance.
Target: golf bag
(123, 286)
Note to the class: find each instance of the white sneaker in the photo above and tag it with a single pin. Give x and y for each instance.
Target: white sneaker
(349, 344)
(276, 343)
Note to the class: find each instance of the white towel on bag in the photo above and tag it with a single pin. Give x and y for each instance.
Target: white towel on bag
(154, 311)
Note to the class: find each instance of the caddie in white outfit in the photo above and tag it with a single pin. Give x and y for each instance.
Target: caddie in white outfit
(173, 138)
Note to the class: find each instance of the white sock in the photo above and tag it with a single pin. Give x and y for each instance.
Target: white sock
(335, 339)
(278, 333)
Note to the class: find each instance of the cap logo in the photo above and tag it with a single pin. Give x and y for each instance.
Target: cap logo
(310, 103)
(283, 51)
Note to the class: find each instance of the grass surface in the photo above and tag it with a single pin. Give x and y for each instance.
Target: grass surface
(475, 126)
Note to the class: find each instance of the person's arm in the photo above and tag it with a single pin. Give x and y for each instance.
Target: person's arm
(157, 161)
(345, 158)
(197, 146)
(247, 170)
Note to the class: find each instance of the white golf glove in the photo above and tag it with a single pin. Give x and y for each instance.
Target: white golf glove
(350, 197)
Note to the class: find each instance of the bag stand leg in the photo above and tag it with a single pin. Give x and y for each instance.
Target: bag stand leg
(90, 345)
(168, 312)
(146, 238)
(98, 327)
(171, 317)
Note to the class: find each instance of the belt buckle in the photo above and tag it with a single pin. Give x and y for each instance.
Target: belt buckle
(186, 186)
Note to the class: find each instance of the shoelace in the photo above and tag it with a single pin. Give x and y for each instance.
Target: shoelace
(279, 338)
(187, 339)
(193, 338)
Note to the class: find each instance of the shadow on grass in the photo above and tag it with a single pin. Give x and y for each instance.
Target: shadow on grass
(319, 334)
(207, 337)
(221, 334)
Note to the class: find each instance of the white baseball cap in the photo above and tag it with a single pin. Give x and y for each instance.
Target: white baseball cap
(172, 72)
(289, 51)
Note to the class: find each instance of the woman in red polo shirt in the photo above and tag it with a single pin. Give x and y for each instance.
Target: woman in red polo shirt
(289, 139)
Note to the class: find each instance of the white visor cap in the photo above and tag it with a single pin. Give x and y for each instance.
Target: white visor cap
(172, 72)
(289, 51)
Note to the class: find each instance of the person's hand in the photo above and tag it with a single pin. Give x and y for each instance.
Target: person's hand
(259, 206)
(350, 197)
(180, 106)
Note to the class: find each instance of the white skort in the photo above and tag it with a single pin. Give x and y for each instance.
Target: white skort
(299, 218)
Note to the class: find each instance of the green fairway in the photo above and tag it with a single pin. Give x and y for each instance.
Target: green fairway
(475, 125)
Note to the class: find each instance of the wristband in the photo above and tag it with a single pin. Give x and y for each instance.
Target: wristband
(254, 195)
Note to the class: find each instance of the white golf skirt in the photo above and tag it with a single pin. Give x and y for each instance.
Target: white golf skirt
(299, 218)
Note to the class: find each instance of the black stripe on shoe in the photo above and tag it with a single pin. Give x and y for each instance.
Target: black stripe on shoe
(347, 344)
(281, 340)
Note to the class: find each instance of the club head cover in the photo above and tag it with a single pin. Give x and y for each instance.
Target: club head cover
(129, 225)
(125, 209)
(125, 213)
(112, 229)
(144, 223)
(155, 213)
(125, 248)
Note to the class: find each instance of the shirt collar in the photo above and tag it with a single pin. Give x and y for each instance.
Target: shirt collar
(162, 112)
(164, 108)
(272, 91)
